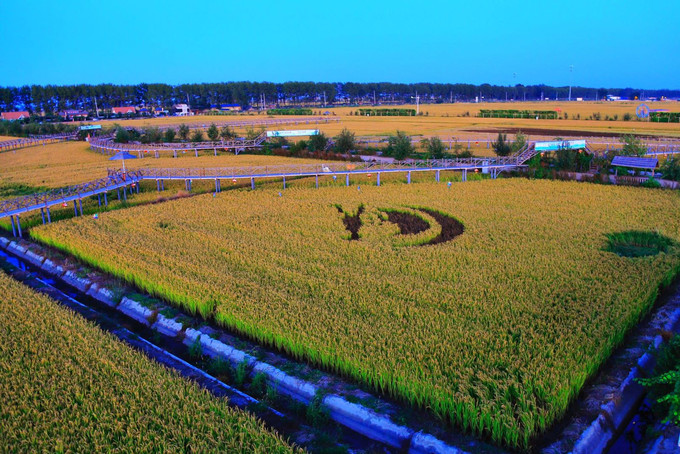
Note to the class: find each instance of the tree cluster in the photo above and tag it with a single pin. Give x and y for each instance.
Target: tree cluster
(53, 98)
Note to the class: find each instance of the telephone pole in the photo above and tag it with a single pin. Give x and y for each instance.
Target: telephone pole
(417, 98)
(571, 77)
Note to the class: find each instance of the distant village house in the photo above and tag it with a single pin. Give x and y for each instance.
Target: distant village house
(124, 110)
(182, 110)
(74, 114)
(11, 116)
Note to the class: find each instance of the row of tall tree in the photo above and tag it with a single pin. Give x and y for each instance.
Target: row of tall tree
(54, 98)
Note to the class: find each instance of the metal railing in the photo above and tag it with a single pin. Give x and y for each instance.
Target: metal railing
(106, 145)
(34, 140)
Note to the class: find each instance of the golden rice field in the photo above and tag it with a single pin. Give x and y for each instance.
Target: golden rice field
(67, 386)
(495, 331)
(70, 163)
(446, 119)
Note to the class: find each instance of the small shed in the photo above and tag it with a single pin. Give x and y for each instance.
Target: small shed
(633, 162)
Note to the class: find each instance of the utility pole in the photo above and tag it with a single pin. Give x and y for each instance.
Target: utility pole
(514, 83)
(96, 109)
(324, 98)
(374, 103)
(417, 98)
(571, 78)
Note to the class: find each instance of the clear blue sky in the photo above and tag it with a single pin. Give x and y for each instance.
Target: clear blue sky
(610, 43)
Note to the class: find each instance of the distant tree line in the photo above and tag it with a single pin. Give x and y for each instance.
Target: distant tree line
(54, 98)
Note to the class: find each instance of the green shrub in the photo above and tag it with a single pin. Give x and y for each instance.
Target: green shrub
(290, 111)
(651, 183)
(665, 381)
(636, 243)
(670, 169)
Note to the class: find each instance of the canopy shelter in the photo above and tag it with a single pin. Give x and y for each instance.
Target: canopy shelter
(632, 162)
(122, 155)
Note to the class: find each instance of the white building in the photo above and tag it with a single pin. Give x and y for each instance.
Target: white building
(182, 110)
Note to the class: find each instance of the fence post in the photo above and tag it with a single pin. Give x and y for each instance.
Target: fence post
(19, 226)
(14, 230)
(378, 179)
(347, 179)
(252, 184)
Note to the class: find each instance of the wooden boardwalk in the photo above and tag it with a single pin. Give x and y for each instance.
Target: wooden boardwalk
(35, 140)
(255, 122)
(128, 180)
(106, 145)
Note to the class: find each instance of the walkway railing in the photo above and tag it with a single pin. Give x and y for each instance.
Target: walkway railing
(255, 122)
(106, 145)
(35, 140)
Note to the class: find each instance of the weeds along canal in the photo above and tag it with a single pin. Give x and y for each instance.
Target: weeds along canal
(288, 418)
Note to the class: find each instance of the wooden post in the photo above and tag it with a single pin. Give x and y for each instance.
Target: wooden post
(378, 179)
(118, 190)
(162, 186)
(49, 218)
(436, 176)
(80, 205)
(186, 185)
(19, 226)
(42, 213)
(99, 199)
(347, 179)
(215, 151)
(316, 179)
(196, 152)
(75, 209)
(408, 177)
(158, 186)
(14, 230)
(217, 185)
(284, 182)
(252, 184)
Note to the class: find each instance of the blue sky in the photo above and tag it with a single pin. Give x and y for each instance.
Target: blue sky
(610, 43)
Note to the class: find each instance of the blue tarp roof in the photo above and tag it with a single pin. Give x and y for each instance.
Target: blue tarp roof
(634, 162)
(122, 155)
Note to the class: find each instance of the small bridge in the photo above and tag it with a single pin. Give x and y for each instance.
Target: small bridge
(34, 140)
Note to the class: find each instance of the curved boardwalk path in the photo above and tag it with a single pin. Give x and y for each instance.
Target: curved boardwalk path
(35, 140)
(127, 180)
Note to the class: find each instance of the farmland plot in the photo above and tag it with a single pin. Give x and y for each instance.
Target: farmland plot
(495, 329)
